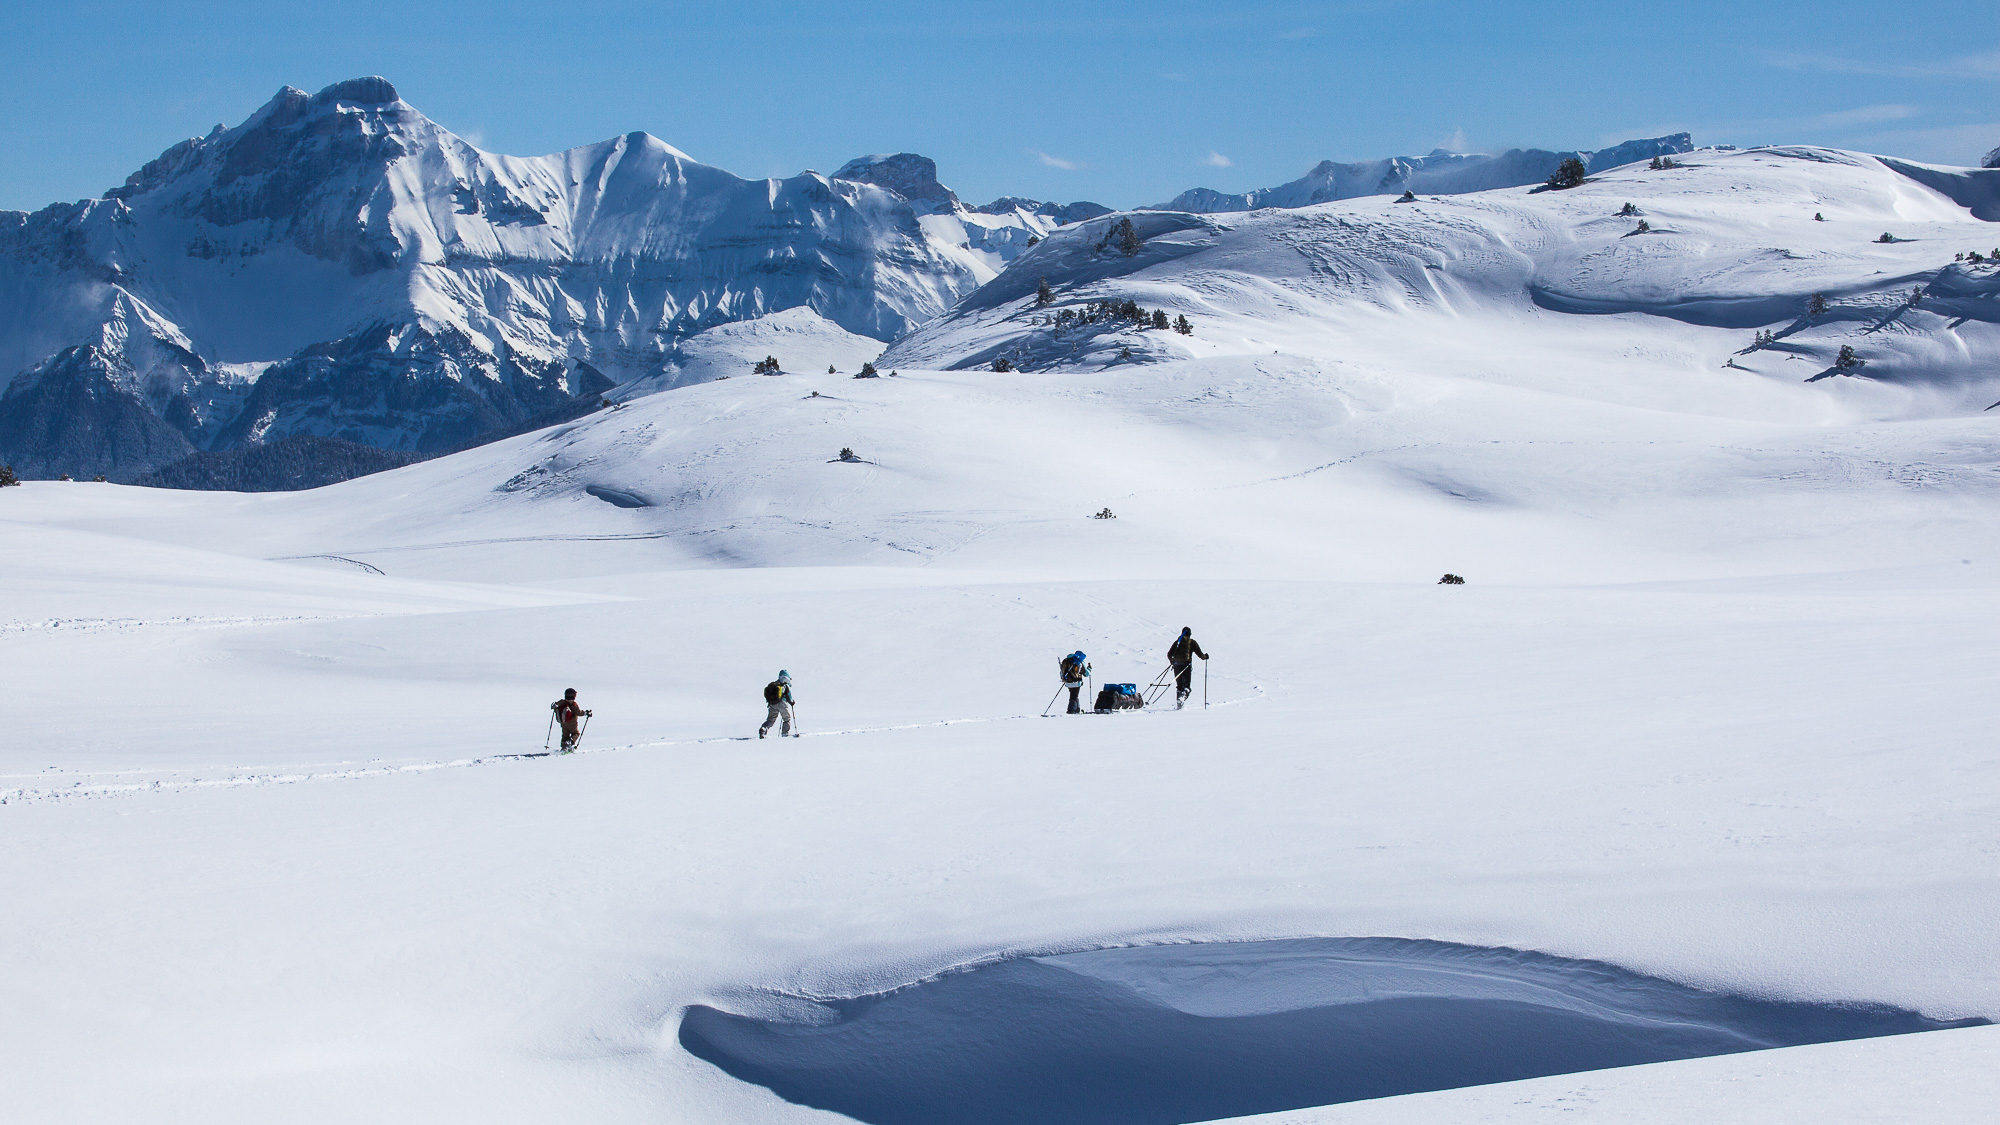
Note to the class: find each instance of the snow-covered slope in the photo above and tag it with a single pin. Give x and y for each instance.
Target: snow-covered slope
(1713, 705)
(1665, 292)
(799, 339)
(1440, 173)
(392, 272)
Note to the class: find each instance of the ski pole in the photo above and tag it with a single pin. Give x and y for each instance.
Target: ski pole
(579, 732)
(552, 731)
(1052, 701)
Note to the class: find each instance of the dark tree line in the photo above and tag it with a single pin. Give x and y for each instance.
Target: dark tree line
(1112, 311)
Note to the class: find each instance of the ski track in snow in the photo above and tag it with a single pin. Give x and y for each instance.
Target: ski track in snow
(84, 788)
(127, 624)
(369, 567)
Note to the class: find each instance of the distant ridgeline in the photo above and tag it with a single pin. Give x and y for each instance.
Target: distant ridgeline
(1440, 173)
(340, 267)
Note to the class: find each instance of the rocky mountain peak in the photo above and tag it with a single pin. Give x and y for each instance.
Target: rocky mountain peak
(906, 174)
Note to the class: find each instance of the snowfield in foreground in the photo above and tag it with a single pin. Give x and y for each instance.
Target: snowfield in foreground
(1716, 706)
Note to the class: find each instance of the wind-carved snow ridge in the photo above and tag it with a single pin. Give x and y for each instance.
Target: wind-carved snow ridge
(1152, 1035)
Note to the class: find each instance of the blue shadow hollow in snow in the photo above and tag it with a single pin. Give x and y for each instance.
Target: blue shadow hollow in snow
(1174, 1033)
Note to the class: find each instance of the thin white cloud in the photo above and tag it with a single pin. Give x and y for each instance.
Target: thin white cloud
(1867, 115)
(1054, 161)
(1456, 142)
(1984, 65)
(1215, 159)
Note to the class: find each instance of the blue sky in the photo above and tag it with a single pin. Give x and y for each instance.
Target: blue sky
(1124, 103)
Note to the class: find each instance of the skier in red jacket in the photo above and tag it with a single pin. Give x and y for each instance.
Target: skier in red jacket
(567, 713)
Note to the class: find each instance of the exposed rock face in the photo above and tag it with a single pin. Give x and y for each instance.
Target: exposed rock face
(75, 414)
(905, 174)
(406, 388)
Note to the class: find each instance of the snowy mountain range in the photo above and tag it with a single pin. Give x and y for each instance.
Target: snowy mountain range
(341, 266)
(342, 274)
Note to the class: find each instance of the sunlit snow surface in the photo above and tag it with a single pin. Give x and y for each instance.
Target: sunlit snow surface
(1716, 702)
(1151, 1035)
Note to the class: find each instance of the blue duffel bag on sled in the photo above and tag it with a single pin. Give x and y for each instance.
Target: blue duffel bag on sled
(1119, 697)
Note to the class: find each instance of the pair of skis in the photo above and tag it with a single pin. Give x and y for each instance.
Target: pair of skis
(1167, 681)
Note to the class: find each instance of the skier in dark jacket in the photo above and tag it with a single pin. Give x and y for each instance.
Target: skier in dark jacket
(1180, 657)
(567, 713)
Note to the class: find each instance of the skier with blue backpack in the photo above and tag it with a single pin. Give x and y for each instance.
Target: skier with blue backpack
(1075, 669)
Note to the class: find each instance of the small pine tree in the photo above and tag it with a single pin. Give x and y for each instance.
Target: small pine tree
(847, 454)
(1034, 240)
(830, 370)
(1124, 353)
(7, 476)
(1816, 306)
(1628, 210)
(1916, 296)
(1644, 226)
(1818, 218)
(868, 372)
(1847, 360)
(64, 476)
(98, 479)
(1182, 326)
(1003, 364)
(1044, 296)
(1128, 237)
(1160, 318)
(1886, 237)
(1568, 174)
(766, 366)
(1408, 197)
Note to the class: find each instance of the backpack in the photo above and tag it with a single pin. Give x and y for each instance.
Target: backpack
(1119, 697)
(1072, 668)
(774, 691)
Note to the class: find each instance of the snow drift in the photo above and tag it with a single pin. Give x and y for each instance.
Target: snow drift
(1154, 1035)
